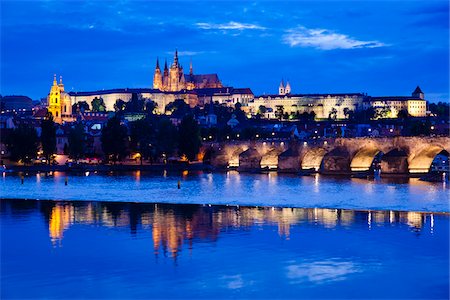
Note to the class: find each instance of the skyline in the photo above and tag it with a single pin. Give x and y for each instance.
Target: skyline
(318, 48)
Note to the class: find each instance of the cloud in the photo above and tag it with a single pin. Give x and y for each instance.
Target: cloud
(186, 53)
(229, 26)
(324, 39)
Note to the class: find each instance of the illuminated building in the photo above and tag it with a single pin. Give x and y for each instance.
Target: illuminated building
(59, 102)
(175, 80)
(336, 105)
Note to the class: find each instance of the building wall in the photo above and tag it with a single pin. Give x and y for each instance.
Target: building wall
(320, 105)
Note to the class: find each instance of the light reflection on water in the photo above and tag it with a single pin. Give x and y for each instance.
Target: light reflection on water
(233, 188)
(61, 249)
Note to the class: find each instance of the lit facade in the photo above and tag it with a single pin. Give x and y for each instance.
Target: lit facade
(173, 79)
(59, 102)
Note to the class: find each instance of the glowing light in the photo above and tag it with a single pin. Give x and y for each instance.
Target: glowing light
(305, 143)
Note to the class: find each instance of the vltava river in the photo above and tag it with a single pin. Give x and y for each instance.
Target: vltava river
(232, 188)
(84, 249)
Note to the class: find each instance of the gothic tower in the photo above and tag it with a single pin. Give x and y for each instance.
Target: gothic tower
(157, 77)
(281, 89)
(287, 89)
(165, 77)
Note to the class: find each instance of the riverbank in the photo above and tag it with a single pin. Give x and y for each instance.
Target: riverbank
(108, 168)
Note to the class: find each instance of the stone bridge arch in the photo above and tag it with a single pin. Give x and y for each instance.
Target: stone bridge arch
(250, 159)
(421, 161)
(336, 161)
(363, 159)
(312, 159)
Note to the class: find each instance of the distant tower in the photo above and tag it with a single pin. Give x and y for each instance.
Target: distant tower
(157, 77)
(281, 89)
(166, 77)
(418, 93)
(191, 69)
(287, 89)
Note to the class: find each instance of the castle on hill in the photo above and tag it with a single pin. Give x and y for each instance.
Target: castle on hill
(173, 79)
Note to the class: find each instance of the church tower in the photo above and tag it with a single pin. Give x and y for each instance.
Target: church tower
(281, 89)
(58, 101)
(157, 77)
(418, 93)
(287, 89)
(54, 100)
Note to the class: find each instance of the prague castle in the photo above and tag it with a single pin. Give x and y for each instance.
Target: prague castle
(198, 89)
(174, 79)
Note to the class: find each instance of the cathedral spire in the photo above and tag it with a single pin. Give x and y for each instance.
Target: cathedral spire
(165, 65)
(175, 58)
(54, 80)
(157, 63)
(191, 69)
(60, 79)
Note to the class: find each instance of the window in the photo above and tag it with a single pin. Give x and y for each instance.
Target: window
(56, 114)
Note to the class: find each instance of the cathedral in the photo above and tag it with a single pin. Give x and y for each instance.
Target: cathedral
(173, 79)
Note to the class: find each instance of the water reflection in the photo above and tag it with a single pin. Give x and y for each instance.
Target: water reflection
(173, 226)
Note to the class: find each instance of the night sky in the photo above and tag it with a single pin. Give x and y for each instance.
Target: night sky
(379, 48)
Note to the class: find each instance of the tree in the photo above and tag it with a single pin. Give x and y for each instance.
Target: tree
(189, 137)
(119, 105)
(114, 140)
(136, 104)
(403, 114)
(262, 109)
(82, 106)
(166, 137)
(141, 134)
(178, 106)
(48, 136)
(333, 114)
(23, 143)
(98, 105)
(440, 109)
(77, 141)
(150, 106)
(279, 112)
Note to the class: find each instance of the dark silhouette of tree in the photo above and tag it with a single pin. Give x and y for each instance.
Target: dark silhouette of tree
(136, 104)
(81, 106)
(189, 138)
(98, 105)
(332, 115)
(77, 138)
(178, 107)
(114, 140)
(262, 109)
(23, 143)
(166, 137)
(403, 114)
(48, 136)
(440, 109)
(150, 106)
(119, 105)
(141, 137)
(279, 112)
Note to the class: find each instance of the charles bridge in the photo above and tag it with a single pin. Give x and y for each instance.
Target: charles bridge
(397, 155)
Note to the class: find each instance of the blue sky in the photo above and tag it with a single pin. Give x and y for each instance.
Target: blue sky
(376, 47)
